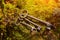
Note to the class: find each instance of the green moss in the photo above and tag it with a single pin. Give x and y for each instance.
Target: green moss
(35, 8)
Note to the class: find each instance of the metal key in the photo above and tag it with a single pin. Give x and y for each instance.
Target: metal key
(24, 14)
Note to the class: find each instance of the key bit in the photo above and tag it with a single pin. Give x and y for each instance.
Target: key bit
(33, 29)
(38, 29)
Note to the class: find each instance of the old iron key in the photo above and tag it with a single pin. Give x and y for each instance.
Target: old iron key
(24, 14)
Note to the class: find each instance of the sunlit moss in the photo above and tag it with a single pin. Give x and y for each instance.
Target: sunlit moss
(41, 9)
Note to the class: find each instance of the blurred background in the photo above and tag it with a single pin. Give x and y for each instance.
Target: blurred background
(47, 10)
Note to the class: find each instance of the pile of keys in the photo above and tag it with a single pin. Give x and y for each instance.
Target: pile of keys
(24, 18)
